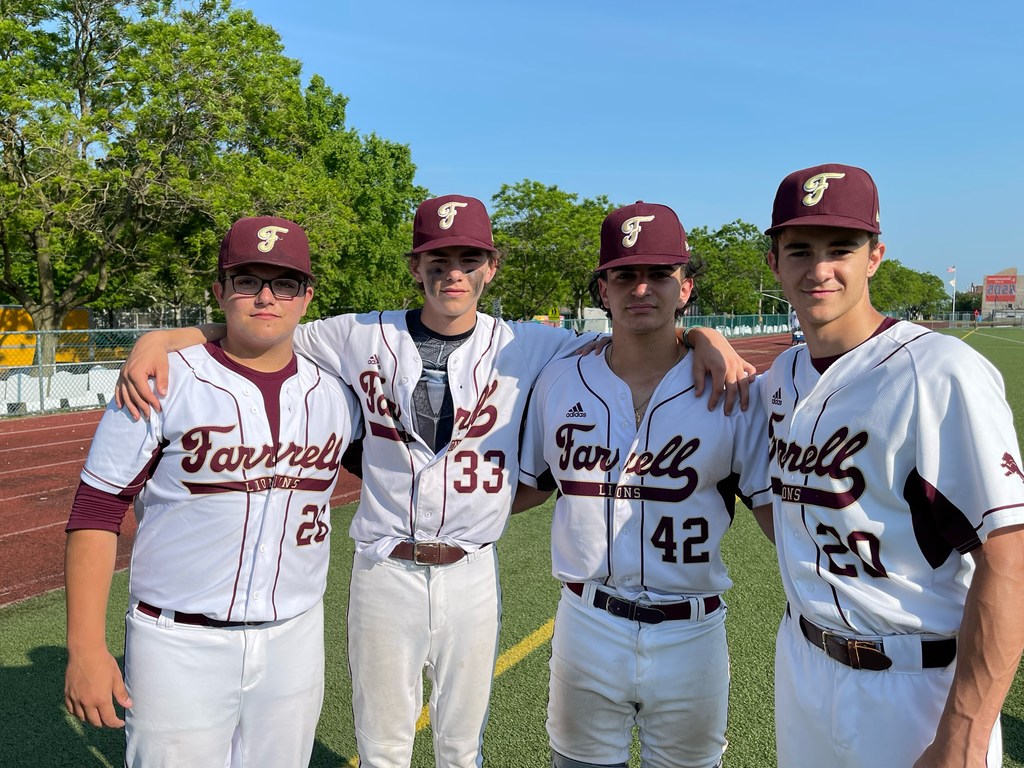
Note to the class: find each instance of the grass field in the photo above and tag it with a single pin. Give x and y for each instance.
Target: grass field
(37, 732)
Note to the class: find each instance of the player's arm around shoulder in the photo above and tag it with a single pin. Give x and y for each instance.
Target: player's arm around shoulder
(988, 653)
(536, 483)
(92, 680)
(148, 362)
(330, 341)
(542, 344)
(717, 365)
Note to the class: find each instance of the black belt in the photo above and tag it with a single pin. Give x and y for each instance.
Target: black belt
(195, 619)
(869, 654)
(648, 614)
(428, 552)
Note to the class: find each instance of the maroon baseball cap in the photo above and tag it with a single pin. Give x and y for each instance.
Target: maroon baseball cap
(830, 195)
(265, 240)
(451, 220)
(642, 233)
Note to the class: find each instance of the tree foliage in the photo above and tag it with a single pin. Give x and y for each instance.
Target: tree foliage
(904, 292)
(550, 240)
(737, 275)
(133, 132)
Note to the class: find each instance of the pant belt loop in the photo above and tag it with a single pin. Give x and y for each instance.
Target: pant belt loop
(165, 619)
(589, 593)
(697, 608)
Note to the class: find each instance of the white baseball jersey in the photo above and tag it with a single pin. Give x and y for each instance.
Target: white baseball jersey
(461, 495)
(887, 469)
(643, 509)
(231, 525)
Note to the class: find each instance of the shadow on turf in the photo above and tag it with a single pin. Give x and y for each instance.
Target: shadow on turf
(1013, 737)
(38, 732)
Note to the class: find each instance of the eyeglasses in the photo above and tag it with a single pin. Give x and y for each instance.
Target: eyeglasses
(281, 287)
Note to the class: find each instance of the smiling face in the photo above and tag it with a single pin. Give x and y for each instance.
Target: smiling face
(644, 298)
(259, 328)
(453, 280)
(824, 273)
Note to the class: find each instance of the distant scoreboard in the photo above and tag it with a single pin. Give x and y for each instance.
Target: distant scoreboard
(1001, 289)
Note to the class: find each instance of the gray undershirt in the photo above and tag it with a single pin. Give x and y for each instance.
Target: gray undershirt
(433, 410)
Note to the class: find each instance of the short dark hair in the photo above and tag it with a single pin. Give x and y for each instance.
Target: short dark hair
(694, 268)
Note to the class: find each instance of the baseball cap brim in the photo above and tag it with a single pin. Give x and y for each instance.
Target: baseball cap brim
(825, 220)
(454, 240)
(272, 263)
(644, 260)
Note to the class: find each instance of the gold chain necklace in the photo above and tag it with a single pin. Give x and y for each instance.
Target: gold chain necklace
(638, 410)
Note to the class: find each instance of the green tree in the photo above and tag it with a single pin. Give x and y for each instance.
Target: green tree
(133, 132)
(551, 241)
(968, 302)
(737, 273)
(904, 292)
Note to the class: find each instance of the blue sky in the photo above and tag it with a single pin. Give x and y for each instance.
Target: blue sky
(703, 106)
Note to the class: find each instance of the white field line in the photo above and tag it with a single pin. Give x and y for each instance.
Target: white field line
(22, 470)
(30, 530)
(43, 446)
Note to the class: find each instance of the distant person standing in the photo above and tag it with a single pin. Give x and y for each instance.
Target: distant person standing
(898, 509)
(224, 642)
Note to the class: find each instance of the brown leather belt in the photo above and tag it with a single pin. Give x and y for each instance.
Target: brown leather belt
(428, 552)
(195, 619)
(869, 654)
(648, 614)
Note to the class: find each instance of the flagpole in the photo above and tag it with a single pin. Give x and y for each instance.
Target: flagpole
(952, 282)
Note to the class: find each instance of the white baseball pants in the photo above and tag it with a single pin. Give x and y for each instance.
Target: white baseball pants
(404, 618)
(609, 674)
(827, 713)
(205, 697)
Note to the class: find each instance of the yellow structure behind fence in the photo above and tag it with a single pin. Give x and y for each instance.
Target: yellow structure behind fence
(18, 341)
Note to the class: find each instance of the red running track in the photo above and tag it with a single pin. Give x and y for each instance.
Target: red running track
(42, 456)
(40, 461)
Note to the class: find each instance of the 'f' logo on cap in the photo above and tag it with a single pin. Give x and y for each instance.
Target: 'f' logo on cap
(631, 229)
(816, 186)
(268, 237)
(447, 213)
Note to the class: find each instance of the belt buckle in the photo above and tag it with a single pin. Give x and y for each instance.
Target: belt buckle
(624, 609)
(853, 648)
(632, 611)
(426, 552)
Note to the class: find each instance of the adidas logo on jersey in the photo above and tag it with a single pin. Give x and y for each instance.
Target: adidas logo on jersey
(576, 412)
(777, 397)
(373, 360)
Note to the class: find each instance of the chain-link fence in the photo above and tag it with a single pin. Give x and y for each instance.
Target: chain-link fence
(728, 325)
(82, 373)
(85, 363)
